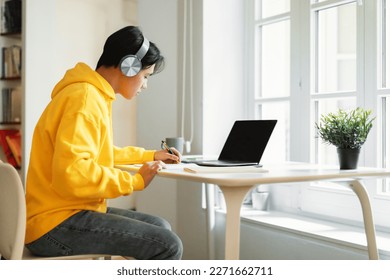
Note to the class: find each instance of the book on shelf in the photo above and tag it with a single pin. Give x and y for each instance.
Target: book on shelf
(10, 105)
(11, 16)
(12, 155)
(11, 67)
(14, 142)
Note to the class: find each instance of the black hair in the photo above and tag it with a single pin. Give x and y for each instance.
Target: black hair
(127, 41)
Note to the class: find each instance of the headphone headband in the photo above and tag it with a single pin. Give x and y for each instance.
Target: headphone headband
(143, 49)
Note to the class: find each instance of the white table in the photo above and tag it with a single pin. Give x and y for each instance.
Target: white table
(235, 187)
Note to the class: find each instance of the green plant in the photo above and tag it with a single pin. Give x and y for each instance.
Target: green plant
(346, 130)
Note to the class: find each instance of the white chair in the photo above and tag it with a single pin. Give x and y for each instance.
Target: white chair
(13, 219)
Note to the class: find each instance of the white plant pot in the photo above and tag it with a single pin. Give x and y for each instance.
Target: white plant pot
(260, 200)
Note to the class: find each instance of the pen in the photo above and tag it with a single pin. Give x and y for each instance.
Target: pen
(166, 147)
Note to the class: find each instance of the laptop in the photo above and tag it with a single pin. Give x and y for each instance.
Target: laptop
(244, 146)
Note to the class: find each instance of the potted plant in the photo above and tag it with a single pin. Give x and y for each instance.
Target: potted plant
(348, 131)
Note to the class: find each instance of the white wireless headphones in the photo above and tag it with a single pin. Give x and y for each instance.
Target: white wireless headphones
(131, 64)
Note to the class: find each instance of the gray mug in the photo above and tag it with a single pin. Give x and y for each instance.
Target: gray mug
(176, 142)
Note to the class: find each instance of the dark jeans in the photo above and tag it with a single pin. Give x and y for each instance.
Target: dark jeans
(117, 232)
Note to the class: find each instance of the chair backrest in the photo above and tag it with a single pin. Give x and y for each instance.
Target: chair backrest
(12, 213)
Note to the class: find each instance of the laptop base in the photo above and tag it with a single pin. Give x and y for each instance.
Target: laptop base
(221, 163)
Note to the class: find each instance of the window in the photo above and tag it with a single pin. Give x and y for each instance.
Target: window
(312, 57)
(334, 74)
(272, 63)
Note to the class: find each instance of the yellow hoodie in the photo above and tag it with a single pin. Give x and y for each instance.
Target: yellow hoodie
(72, 156)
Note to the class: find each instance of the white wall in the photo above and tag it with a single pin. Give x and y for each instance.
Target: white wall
(223, 70)
(38, 59)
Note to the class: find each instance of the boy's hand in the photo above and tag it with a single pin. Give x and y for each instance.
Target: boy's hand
(166, 157)
(149, 170)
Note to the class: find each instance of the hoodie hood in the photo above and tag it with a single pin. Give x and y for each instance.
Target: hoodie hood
(82, 73)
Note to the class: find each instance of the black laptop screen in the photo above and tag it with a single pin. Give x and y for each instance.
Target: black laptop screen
(247, 140)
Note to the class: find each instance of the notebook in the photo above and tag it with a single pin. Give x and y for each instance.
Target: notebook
(244, 145)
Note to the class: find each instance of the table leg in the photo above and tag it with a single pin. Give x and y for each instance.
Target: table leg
(234, 196)
(369, 225)
(210, 220)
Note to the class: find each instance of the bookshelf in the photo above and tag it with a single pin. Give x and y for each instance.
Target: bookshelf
(11, 81)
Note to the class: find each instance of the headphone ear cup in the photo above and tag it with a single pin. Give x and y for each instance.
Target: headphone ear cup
(130, 65)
